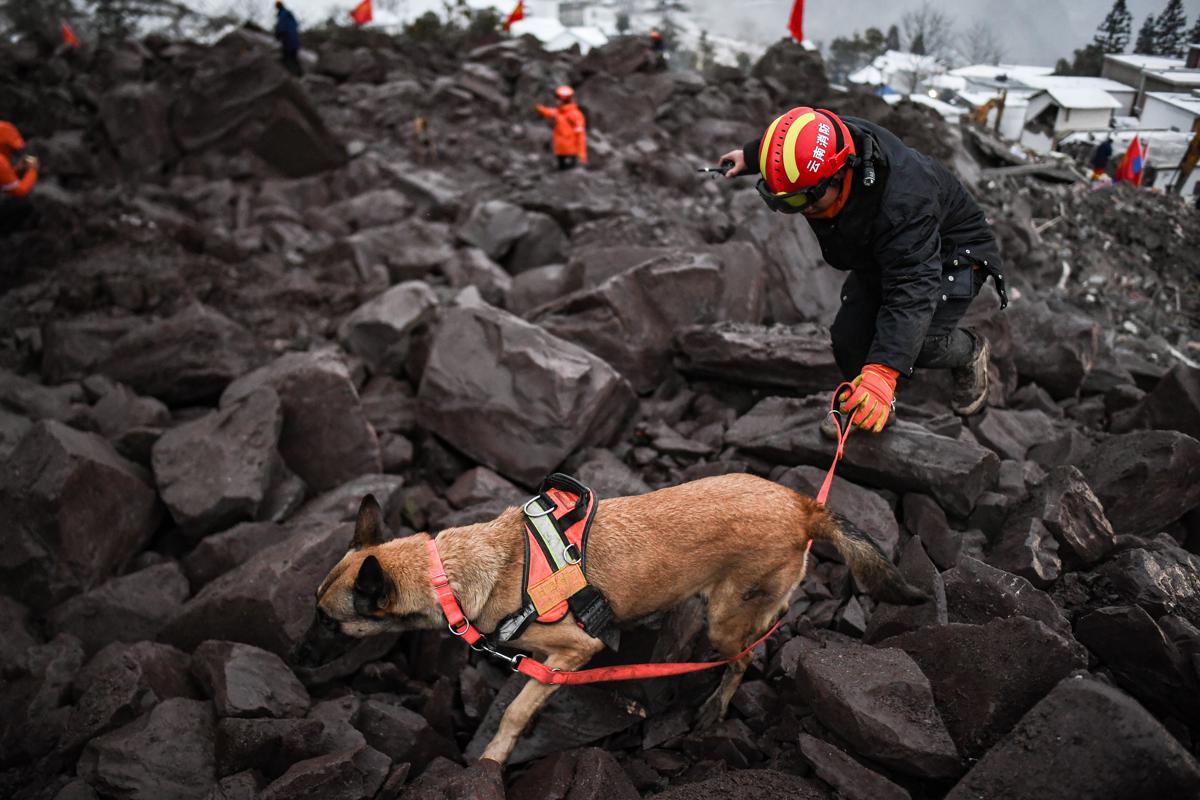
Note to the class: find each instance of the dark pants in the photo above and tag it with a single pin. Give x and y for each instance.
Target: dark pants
(946, 345)
(567, 162)
(291, 61)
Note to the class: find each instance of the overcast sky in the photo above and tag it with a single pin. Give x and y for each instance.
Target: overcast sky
(1033, 31)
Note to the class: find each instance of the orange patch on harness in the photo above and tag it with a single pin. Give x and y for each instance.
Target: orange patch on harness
(554, 589)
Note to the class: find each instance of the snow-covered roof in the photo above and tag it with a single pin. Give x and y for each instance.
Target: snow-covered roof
(1077, 82)
(994, 71)
(590, 34)
(585, 36)
(1082, 99)
(1188, 102)
(953, 83)
(899, 61)
(555, 36)
(1014, 99)
(541, 28)
(949, 113)
(868, 75)
(885, 68)
(1145, 62)
(1181, 77)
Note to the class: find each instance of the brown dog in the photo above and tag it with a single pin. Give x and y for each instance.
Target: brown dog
(739, 541)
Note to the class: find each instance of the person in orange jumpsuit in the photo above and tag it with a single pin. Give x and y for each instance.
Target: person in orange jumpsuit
(570, 128)
(16, 180)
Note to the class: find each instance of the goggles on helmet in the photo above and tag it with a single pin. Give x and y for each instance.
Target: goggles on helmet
(793, 202)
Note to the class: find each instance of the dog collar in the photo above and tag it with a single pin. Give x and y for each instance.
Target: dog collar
(455, 618)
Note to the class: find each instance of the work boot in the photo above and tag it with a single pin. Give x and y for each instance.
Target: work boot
(971, 381)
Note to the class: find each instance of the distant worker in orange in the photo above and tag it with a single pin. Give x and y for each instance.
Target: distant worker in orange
(16, 180)
(570, 128)
(658, 50)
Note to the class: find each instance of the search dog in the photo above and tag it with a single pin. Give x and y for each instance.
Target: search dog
(739, 541)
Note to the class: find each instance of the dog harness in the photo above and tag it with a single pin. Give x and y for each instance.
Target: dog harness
(461, 626)
(557, 522)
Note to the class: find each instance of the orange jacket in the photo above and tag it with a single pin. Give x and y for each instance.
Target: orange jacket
(570, 130)
(10, 183)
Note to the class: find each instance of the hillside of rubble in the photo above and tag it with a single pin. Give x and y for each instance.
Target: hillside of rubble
(250, 299)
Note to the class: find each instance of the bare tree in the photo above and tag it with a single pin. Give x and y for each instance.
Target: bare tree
(929, 30)
(979, 44)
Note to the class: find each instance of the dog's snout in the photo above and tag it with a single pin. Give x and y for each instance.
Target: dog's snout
(323, 642)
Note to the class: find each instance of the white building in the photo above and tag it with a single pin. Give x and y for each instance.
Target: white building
(982, 83)
(1052, 113)
(986, 77)
(555, 36)
(1127, 68)
(1012, 115)
(1038, 106)
(1122, 93)
(1147, 74)
(1171, 110)
(903, 72)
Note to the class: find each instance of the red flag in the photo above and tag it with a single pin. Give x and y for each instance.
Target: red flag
(517, 13)
(1131, 165)
(69, 37)
(796, 23)
(362, 13)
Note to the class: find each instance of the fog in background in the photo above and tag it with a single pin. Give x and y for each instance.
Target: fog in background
(1032, 31)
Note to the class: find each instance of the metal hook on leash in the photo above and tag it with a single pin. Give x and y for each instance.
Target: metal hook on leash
(514, 661)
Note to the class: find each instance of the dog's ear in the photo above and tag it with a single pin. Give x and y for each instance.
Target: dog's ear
(371, 587)
(368, 528)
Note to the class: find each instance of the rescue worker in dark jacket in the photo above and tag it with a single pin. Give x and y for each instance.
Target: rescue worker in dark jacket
(917, 247)
(1100, 157)
(287, 31)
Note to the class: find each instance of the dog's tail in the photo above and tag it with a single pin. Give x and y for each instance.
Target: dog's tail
(871, 567)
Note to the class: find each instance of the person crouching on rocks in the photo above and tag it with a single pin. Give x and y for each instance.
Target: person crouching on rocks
(570, 128)
(16, 179)
(916, 245)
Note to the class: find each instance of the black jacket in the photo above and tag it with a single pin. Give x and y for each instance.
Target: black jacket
(901, 232)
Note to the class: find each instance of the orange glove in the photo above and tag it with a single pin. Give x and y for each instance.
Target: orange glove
(872, 398)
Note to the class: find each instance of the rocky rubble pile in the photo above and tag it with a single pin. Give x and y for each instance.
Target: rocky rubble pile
(252, 300)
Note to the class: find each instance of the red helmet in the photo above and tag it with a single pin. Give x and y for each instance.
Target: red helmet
(564, 92)
(655, 35)
(802, 148)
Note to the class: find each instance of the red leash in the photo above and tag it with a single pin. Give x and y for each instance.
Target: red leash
(823, 495)
(461, 626)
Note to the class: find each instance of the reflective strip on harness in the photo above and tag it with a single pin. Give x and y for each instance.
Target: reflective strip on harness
(557, 521)
(555, 544)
